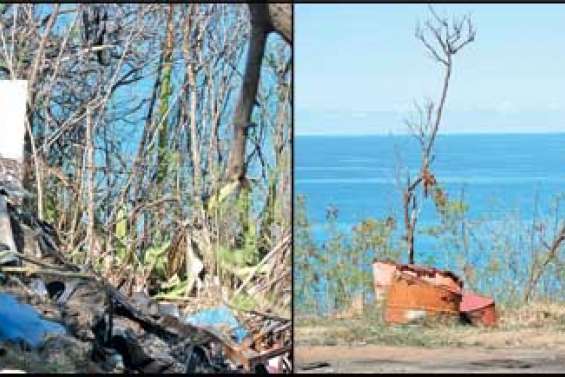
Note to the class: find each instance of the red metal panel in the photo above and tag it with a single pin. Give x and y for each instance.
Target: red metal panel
(479, 310)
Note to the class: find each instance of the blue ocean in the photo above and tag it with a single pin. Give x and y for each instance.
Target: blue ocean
(497, 175)
(511, 183)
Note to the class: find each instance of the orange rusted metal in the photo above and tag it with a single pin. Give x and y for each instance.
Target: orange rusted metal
(411, 297)
(384, 271)
(478, 310)
(417, 291)
(433, 276)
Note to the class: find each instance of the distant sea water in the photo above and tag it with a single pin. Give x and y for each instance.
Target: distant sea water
(496, 174)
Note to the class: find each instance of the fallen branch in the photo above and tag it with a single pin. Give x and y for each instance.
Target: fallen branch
(36, 271)
(551, 255)
(33, 260)
(260, 313)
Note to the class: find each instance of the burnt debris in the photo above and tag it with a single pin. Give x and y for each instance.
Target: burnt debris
(100, 329)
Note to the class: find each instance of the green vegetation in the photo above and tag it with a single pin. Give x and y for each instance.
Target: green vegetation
(343, 261)
(496, 258)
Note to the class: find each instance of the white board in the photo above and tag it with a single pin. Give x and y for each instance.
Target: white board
(13, 97)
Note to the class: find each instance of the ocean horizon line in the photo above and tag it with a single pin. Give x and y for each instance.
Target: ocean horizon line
(470, 133)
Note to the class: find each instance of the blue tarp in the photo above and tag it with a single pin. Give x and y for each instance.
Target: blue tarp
(21, 322)
(218, 317)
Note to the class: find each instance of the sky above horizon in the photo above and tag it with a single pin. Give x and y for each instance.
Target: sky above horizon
(359, 69)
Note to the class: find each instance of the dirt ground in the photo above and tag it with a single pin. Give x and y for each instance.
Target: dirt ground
(387, 359)
(531, 340)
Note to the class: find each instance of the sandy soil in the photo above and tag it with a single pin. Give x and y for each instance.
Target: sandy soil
(325, 348)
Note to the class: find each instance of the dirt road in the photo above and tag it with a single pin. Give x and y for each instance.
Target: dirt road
(402, 359)
(527, 339)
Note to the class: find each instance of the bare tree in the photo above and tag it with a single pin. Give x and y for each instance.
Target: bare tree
(538, 269)
(442, 38)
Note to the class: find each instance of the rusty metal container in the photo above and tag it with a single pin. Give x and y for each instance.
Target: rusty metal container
(433, 276)
(478, 310)
(383, 271)
(411, 298)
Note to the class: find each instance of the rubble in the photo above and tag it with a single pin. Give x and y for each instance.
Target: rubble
(93, 327)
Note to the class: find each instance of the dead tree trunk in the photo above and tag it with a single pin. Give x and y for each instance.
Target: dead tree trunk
(264, 19)
(192, 55)
(280, 16)
(442, 39)
(30, 142)
(89, 164)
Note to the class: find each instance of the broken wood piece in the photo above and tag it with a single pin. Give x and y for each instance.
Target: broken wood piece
(37, 271)
(33, 260)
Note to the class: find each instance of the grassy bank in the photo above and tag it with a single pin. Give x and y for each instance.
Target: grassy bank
(537, 325)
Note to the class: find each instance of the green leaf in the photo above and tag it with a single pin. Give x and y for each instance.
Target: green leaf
(172, 288)
(121, 225)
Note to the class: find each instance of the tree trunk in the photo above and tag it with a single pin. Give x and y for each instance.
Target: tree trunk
(163, 152)
(242, 117)
(30, 147)
(163, 157)
(90, 187)
(191, 52)
(264, 19)
(281, 20)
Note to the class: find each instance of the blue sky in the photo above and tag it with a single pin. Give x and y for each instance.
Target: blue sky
(359, 69)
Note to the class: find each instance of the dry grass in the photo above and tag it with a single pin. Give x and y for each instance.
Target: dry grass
(535, 315)
(536, 325)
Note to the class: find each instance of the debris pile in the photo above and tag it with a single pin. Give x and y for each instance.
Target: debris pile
(61, 312)
(411, 292)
